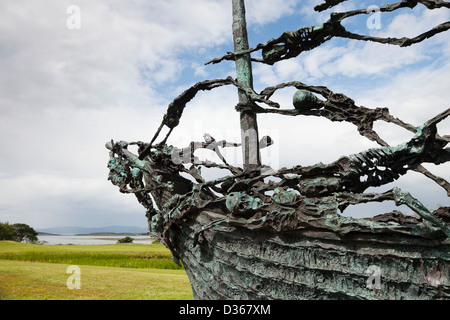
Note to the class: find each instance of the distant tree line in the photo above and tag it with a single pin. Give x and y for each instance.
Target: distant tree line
(18, 232)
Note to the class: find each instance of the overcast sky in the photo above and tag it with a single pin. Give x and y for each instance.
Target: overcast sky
(67, 88)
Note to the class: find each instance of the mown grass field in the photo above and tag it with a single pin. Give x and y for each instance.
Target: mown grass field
(118, 271)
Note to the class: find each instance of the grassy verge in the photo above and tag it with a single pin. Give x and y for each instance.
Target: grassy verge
(126, 256)
(21, 280)
(118, 271)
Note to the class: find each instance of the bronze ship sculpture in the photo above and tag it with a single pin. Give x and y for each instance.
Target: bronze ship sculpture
(260, 233)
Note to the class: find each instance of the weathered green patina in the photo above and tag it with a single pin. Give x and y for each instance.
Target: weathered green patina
(260, 233)
(249, 126)
(304, 99)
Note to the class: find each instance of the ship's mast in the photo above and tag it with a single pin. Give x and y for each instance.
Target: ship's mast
(249, 125)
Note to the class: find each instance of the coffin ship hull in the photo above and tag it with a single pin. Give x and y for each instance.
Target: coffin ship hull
(238, 263)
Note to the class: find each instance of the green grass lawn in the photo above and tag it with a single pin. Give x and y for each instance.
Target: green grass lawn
(119, 271)
(116, 255)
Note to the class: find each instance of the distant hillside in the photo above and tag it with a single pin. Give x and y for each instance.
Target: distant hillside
(87, 230)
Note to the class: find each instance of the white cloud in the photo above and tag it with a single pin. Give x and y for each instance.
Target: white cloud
(265, 11)
(414, 22)
(415, 95)
(289, 69)
(264, 75)
(321, 61)
(199, 70)
(48, 199)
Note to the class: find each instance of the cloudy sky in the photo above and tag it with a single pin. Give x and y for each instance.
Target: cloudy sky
(69, 85)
